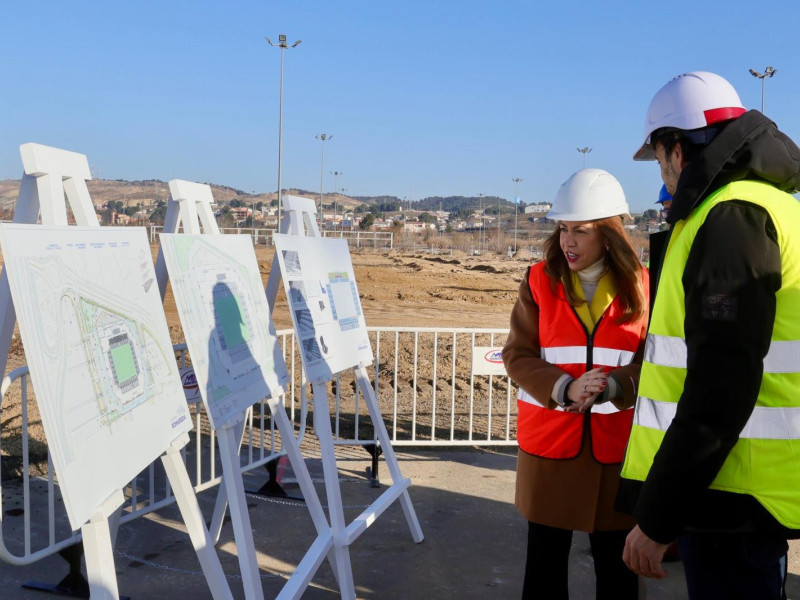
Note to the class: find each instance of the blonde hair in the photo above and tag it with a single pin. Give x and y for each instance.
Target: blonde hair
(621, 261)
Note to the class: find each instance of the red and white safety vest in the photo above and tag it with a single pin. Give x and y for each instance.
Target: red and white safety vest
(566, 343)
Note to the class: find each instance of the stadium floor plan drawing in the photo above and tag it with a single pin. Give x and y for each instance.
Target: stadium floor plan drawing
(99, 353)
(116, 353)
(225, 316)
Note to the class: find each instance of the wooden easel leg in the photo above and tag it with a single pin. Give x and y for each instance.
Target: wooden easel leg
(221, 505)
(220, 508)
(322, 426)
(99, 551)
(193, 519)
(324, 543)
(242, 530)
(391, 459)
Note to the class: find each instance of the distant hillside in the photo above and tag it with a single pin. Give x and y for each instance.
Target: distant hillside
(445, 203)
(151, 191)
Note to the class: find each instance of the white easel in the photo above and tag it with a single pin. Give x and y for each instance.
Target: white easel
(49, 174)
(189, 201)
(299, 220)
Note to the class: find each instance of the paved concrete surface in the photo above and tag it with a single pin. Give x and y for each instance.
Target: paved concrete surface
(474, 545)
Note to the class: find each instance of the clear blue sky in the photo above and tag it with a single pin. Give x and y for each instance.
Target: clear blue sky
(422, 98)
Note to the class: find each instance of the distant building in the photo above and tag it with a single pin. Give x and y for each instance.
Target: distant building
(538, 208)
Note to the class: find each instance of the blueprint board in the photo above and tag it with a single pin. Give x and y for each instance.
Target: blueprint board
(326, 311)
(99, 354)
(226, 321)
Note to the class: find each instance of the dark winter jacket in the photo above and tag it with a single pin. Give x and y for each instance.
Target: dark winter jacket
(735, 253)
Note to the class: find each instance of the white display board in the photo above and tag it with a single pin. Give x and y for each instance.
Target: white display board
(99, 354)
(225, 316)
(321, 287)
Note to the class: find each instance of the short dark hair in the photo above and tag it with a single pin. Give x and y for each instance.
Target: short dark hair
(669, 138)
(692, 141)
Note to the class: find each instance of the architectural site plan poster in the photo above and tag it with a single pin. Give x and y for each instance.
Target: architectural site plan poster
(225, 316)
(99, 352)
(323, 298)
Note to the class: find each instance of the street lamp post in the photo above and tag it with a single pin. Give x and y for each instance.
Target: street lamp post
(768, 72)
(499, 241)
(585, 150)
(322, 137)
(516, 181)
(283, 45)
(343, 190)
(480, 234)
(335, 184)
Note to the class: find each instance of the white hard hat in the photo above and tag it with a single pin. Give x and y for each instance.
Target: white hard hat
(690, 101)
(587, 195)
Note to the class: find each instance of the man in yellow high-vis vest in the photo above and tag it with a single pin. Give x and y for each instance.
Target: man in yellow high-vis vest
(714, 454)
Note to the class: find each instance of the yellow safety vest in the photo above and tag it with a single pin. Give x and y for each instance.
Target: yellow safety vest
(765, 461)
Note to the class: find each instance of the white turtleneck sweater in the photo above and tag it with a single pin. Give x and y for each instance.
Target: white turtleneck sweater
(590, 277)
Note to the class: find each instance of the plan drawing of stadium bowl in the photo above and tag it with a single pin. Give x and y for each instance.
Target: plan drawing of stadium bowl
(98, 344)
(225, 317)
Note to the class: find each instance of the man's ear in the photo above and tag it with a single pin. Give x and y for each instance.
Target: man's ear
(677, 154)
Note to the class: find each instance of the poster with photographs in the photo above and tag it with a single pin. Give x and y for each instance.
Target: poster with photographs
(323, 299)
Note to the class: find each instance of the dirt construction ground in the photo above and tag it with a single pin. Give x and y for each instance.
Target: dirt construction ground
(425, 290)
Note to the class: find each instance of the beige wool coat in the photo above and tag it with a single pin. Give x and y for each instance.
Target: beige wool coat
(577, 493)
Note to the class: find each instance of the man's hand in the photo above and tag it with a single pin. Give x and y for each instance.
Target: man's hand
(643, 555)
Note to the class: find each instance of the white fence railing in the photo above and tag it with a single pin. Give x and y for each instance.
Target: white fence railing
(422, 378)
(263, 236)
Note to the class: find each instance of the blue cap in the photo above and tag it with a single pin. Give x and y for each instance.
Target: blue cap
(663, 195)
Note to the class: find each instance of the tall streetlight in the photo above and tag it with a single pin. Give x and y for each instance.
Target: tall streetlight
(343, 190)
(768, 72)
(516, 181)
(283, 45)
(585, 150)
(335, 180)
(322, 137)
(499, 243)
(480, 235)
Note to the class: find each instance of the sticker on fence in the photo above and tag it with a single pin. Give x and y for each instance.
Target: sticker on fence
(487, 361)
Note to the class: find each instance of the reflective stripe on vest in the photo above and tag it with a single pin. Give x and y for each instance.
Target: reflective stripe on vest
(771, 423)
(604, 408)
(607, 357)
(764, 461)
(670, 351)
(556, 433)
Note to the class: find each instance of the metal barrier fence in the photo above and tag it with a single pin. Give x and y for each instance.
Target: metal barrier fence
(422, 377)
(263, 237)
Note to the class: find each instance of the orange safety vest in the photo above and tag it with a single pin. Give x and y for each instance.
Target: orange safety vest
(565, 342)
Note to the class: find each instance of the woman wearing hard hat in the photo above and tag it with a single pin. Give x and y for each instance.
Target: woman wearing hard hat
(574, 350)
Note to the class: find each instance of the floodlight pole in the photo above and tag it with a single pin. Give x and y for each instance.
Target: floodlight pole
(343, 190)
(585, 150)
(768, 72)
(516, 180)
(322, 137)
(335, 185)
(283, 45)
(480, 235)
